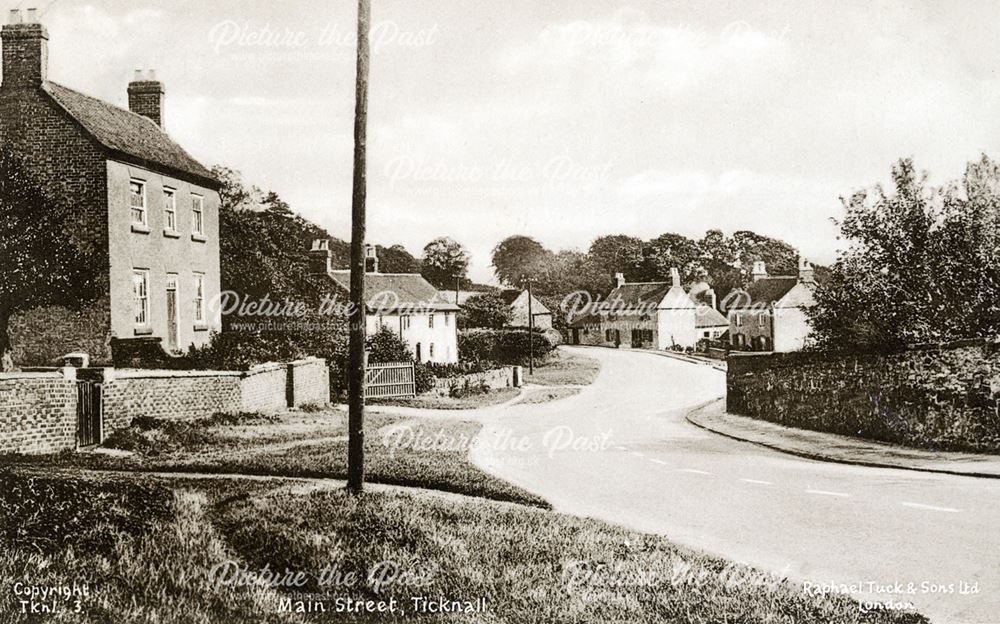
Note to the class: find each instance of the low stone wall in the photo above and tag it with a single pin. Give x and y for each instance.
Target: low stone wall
(38, 412)
(263, 388)
(944, 397)
(494, 379)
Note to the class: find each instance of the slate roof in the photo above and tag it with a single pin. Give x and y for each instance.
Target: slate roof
(638, 294)
(766, 291)
(409, 292)
(707, 316)
(128, 134)
(510, 295)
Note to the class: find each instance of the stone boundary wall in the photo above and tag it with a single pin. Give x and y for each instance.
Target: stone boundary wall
(495, 379)
(263, 388)
(942, 397)
(38, 412)
(134, 393)
(308, 382)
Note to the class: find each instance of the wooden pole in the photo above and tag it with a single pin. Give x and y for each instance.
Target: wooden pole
(356, 366)
(531, 334)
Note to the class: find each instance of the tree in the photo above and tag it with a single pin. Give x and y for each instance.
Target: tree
(617, 253)
(518, 257)
(912, 250)
(486, 310)
(396, 259)
(669, 251)
(444, 261)
(41, 265)
(386, 345)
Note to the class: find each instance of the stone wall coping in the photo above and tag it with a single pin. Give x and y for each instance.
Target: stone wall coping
(140, 373)
(307, 361)
(269, 367)
(29, 376)
(927, 346)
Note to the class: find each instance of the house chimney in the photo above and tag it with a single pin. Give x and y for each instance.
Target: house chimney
(145, 96)
(710, 293)
(319, 257)
(619, 279)
(675, 276)
(806, 274)
(759, 270)
(25, 52)
(371, 253)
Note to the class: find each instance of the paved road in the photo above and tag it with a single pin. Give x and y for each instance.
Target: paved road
(808, 520)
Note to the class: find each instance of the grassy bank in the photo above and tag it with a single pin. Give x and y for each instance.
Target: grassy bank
(425, 453)
(563, 368)
(146, 552)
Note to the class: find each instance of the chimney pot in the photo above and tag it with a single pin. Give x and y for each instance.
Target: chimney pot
(759, 270)
(32, 16)
(806, 273)
(152, 75)
(137, 75)
(371, 253)
(675, 276)
(620, 279)
(15, 16)
(320, 260)
(145, 96)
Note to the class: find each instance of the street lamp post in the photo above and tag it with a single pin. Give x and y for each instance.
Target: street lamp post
(531, 333)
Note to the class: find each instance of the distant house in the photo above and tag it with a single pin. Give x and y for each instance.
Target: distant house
(709, 322)
(658, 315)
(142, 209)
(770, 313)
(518, 302)
(406, 303)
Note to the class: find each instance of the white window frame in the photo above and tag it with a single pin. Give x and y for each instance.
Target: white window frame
(447, 319)
(404, 321)
(430, 351)
(430, 321)
(197, 215)
(760, 319)
(739, 319)
(140, 297)
(144, 208)
(169, 209)
(198, 298)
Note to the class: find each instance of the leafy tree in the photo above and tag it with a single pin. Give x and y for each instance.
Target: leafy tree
(668, 251)
(486, 310)
(386, 345)
(921, 265)
(617, 253)
(396, 259)
(518, 257)
(444, 261)
(41, 265)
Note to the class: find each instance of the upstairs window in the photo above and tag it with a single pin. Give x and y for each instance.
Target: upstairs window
(140, 296)
(199, 298)
(169, 210)
(404, 321)
(430, 321)
(447, 319)
(430, 351)
(739, 319)
(197, 214)
(760, 320)
(137, 201)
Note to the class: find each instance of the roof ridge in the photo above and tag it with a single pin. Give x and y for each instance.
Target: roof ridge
(107, 103)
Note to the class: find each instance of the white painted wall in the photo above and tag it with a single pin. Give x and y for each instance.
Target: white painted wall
(416, 330)
(676, 320)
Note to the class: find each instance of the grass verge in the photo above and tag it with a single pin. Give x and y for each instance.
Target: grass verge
(563, 368)
(469, 401)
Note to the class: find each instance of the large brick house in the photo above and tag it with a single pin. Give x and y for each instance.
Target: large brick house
(770, 313)
(406, 303)
(144, 213)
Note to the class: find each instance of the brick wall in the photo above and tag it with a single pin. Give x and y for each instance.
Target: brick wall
(308, 382)
(168, 394)
(264, 388)
(37, 413)
(943, 397)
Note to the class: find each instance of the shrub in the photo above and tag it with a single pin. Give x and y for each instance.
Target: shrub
(386, 345)
(502, 346)
(424, 378)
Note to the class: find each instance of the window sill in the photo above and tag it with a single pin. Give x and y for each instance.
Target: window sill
(200, 238)
(171, 234)
(201, 328)
(143, 331)
(139, 228)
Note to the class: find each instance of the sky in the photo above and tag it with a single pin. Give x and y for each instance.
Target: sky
(564, 119)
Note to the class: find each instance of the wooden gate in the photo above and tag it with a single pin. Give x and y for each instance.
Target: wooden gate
(89, 414)
(389, 380)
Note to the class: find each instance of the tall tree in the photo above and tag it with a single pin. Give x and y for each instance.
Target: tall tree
(486, 310)
(668, 251)
(444, 262)
(518, 257)
(40, 263)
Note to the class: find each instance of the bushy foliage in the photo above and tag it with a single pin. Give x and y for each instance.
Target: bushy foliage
(444, 261)
(502, 346)
(922, 265)
(241, 350)
(486, 310)
(386, 345)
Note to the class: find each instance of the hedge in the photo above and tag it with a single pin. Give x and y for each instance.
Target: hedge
(502, 346)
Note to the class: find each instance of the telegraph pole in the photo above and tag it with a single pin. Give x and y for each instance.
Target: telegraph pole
(356, 365)
(531, 334)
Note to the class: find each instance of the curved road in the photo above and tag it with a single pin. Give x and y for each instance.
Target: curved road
(622, 451)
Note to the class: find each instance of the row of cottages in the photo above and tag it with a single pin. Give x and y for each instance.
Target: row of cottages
(770, 313)
(406, 303)
(657, 315)
(141, 210)
(518, 302)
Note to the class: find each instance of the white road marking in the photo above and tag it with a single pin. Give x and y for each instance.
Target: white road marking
(931, 507)
(757, 481)
(619, 448)
(637, 454)
(826, 493)
(656, 461)
(693, 471)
